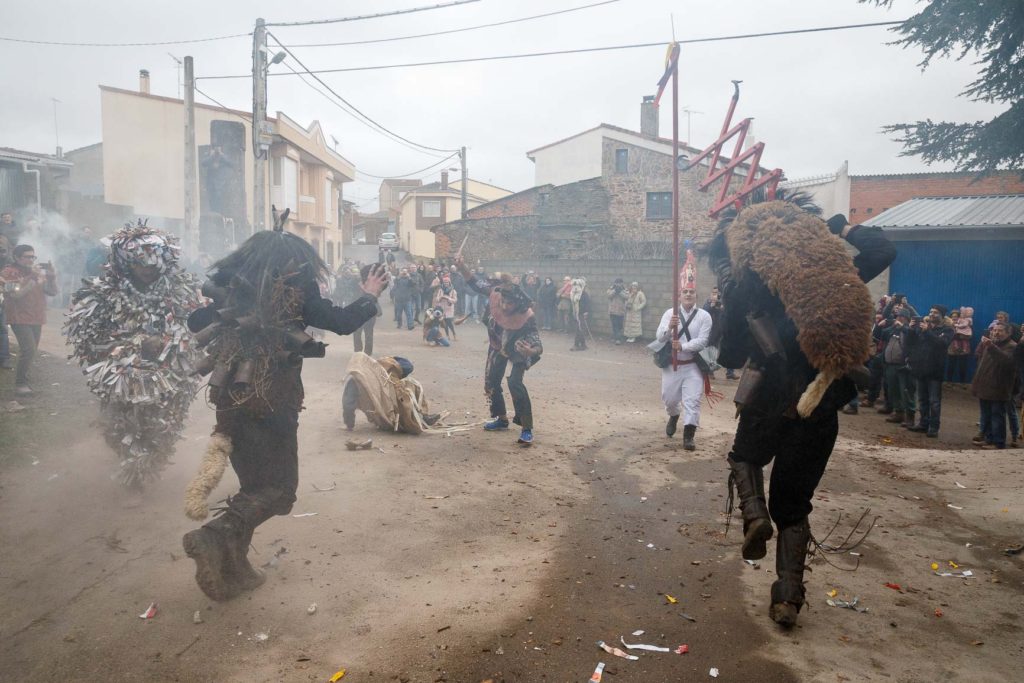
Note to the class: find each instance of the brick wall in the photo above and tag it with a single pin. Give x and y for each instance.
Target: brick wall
(654, 276)
(871, 195)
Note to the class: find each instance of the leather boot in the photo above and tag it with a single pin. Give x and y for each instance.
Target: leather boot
(790, 556)
(249, 578)
(670, 426)
(209, 548)
(895, 417)
(757, 526)
(688, 433)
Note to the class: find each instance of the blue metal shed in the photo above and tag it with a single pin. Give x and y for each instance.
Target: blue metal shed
(959, 251)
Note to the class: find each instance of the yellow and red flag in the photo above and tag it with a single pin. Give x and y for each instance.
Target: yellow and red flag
(671, 64)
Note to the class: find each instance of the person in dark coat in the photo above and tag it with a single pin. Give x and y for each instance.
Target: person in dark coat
(927, 343)
(265, 294)
(994, 379)
(547, 302)
(406, 295)
(761, 335)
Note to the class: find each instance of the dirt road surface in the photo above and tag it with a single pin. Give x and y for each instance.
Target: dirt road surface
(465, 558)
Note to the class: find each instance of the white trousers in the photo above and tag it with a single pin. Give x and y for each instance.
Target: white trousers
(686, 386)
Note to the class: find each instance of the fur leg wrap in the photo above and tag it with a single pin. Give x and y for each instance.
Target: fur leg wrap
(814, 392)
(206, 480)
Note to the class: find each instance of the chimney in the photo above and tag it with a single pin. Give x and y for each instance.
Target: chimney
(648, 117)
(444, 180)
(144, 81)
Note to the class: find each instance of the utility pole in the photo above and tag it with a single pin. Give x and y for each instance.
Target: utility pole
(259, 115)
(56, 128)
(465, 179)
(191, 227)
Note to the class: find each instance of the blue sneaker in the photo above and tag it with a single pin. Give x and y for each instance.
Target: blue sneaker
(496, 425)
(526, 438)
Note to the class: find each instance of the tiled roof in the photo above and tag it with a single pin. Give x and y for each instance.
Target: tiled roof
(985, 211)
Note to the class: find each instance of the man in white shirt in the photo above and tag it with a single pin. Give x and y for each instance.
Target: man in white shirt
(684, 385)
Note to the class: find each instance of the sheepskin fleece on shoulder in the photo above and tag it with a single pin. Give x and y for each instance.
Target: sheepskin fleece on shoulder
(813, 275)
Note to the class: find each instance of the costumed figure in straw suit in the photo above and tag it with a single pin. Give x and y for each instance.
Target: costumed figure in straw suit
(264, 295)
(798, 319)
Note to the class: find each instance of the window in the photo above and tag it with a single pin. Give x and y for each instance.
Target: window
(622, 161)
(431, 208)
(870, 210)
(544, 197)
(853, 211)
(659, 205)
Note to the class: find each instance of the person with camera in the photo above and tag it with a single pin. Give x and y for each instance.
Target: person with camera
(928, 340)
(900, 385)
(998, 359)
(26, 286)
(617, 309)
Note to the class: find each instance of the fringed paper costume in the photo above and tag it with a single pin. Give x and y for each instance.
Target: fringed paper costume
(128, 332)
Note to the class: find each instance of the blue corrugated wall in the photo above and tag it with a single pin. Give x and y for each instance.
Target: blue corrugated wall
(988, 275)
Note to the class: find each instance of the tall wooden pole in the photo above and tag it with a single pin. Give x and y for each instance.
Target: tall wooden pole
(675, 205)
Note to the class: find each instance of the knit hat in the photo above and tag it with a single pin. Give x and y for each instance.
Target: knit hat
(941, 309)
(903, 313)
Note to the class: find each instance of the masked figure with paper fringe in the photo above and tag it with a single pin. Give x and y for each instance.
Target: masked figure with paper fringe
(264, 296)
(127, 329)
(798, 319)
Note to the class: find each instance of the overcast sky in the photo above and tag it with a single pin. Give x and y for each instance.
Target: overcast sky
(817, 99)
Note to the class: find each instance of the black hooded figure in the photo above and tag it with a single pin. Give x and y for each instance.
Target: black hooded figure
(769, 314)
(264, 296)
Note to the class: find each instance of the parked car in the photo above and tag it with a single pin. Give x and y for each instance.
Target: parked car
(388, 240)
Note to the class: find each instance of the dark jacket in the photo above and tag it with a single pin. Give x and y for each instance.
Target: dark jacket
(715, 309)
(547, 295)
(997, 371)
(404, 289)
(926, 351)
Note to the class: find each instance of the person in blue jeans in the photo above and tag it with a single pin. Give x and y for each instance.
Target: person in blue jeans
(405, 292)
(928, 341)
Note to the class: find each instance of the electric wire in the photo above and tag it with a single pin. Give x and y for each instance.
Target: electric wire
(411, 173)
(460, 30)
(150, 44)
(349, 104)
(221, 105)
(583, 50)
(354, 116)
(411, 10)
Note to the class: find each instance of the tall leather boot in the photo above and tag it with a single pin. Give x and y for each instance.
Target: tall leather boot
(688, 433)
(757, 525)
(249, 578)
(209, 546)
(246, 512)
(790, 557)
